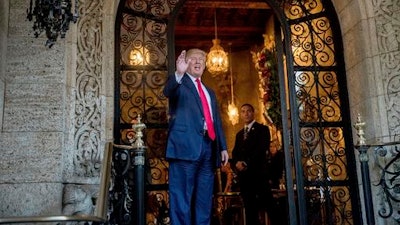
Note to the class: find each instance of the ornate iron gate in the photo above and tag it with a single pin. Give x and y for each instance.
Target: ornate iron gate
(141, 67)
(322, 146)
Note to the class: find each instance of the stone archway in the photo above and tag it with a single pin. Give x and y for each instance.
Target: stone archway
(331, 136)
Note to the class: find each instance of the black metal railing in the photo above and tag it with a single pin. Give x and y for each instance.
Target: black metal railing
(387, 160)
(387, 164)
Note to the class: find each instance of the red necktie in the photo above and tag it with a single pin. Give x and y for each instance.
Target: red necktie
(206, 109)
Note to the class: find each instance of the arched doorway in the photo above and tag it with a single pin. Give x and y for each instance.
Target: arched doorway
(320, 167)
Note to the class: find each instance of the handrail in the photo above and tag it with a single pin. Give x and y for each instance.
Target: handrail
(101, 204)
(380, 144)
(100, 213)
(60, 218)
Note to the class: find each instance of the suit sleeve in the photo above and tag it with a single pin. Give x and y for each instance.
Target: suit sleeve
(171, 86)
(235, 152)
(220, 133)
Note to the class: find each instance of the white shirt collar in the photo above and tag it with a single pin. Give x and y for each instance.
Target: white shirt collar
(250, 124)
(193, 78)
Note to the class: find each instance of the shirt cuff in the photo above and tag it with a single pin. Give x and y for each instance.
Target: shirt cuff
(178, 78)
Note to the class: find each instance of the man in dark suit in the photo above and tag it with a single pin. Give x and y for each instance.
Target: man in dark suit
(196, 142)
(249, 159)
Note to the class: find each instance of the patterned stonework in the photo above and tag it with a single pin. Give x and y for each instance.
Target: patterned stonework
(88, 117)
(388, 29)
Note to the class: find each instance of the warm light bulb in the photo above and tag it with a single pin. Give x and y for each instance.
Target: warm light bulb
(233, 113)
(139, 57)
(217, 59)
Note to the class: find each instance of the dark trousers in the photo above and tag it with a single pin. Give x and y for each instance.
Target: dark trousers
(256, 204)
(191, 186)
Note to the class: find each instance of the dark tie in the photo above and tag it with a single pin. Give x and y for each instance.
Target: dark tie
(246, 132)
(206, 109)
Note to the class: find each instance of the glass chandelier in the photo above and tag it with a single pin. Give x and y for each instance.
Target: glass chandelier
(52, 17)
(217, 58)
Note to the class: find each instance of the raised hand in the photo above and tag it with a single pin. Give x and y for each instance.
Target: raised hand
(181, 64)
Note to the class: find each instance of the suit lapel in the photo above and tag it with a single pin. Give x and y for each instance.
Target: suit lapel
(252, 129)
(189, 83)
(213, 102)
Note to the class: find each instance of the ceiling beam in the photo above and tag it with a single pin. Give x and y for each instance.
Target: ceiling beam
(227, 5)
(182, 30)
(208, 43)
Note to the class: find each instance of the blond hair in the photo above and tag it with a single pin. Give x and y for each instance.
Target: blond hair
(194, 51)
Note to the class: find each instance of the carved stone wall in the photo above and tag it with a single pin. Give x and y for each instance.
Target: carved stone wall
(56, 108)
(386, 15)
(87, 110)
(89, 100)
(371, 48)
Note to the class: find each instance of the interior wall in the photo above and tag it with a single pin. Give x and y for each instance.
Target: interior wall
(246, 90)
(368, 30)
(246, 87)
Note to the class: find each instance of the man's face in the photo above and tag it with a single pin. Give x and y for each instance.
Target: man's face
(246, 114)
(197, 64)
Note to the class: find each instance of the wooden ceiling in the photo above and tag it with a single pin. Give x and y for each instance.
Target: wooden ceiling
(239, 22)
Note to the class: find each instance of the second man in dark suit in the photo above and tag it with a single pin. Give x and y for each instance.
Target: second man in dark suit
(249, 159)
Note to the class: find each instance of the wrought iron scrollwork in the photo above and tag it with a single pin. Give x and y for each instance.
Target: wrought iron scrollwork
(121, 189)
(143, 73)
(323, 133)
(387, 158)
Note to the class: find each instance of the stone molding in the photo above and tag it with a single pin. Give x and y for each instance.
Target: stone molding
(88, 121)
(386, 14)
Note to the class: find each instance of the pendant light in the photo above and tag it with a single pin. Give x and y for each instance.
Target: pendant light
(233, 112)
(217, 58)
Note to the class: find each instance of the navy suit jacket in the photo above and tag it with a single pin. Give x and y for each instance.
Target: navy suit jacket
(186, 122)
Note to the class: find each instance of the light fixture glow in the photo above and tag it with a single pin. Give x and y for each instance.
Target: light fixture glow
(233, 112)
(139, 57)
(217, 58)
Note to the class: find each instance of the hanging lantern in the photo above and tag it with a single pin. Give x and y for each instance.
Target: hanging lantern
(217, 58)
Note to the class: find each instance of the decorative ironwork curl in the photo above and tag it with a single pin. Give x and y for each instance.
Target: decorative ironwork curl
(160, 8)
(131, 25)
(158, 171)
(387, 158)
(296, 8)
(304, 79)
(121, 191)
